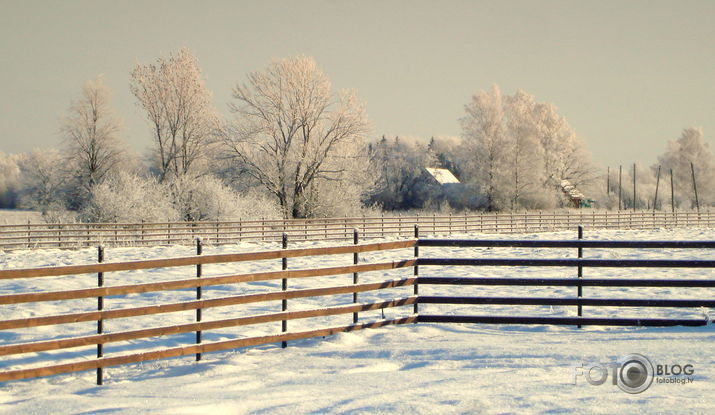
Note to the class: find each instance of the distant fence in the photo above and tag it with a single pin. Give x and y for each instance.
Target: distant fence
(78, 235)
(413, 261)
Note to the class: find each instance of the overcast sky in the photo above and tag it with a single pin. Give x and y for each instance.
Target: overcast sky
(627, 75)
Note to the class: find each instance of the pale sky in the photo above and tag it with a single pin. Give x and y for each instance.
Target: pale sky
(627, 75)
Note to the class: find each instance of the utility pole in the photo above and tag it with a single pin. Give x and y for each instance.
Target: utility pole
(634, 187)
(657, 183)
(695, 188)
(620, 187)
(672, 193)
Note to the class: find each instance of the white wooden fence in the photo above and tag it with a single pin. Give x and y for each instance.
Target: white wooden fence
(77, 235)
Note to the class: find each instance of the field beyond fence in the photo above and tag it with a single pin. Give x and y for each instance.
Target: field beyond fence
(79, 235)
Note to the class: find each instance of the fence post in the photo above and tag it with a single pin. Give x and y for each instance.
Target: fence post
(417, 270)
(284, 287)
(355, 274)
(593, 219)
(580, 271)
(240, 229)
(100, 307)
(29, 234)
(168, 233)
(199, 251)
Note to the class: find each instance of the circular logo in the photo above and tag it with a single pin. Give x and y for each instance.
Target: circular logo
(635, 373)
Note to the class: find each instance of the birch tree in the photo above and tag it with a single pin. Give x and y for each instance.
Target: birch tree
(292, 133)
(178, 106)
(525, 154)
(484, 133)
(520, 150)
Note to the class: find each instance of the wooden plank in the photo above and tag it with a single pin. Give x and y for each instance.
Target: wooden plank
(192, 283)
(190, 305)
(566, 282)
(569, 321)
(191, 327)
(192, 349)
(592, 263)
(195, 260)
(471, 243)
(598, 302)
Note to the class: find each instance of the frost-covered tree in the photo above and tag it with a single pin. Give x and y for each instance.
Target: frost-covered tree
(399, 166)
(178, 106)
(485, 138)
(564, 155)
(690, 147)
(91, 142)
(128, 197)
(208, 198)
(43, 183)
(525, 159)
(520, 150)
(292, 134)
(448, 153)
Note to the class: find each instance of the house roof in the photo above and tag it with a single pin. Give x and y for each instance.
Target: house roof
(442, 176)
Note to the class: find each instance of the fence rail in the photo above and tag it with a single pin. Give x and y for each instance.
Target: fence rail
(78, 235)
(415, 261)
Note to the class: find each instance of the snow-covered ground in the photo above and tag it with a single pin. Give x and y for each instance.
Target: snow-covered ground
(19, 216)
(422, 368)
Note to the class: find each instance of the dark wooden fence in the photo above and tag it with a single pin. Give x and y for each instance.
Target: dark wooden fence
(78, 235)
(417, 262)
(579, 265)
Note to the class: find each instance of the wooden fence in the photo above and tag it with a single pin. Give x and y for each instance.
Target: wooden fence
(413, 262)
(78, 235)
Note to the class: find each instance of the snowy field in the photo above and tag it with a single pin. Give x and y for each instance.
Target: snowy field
(19, 217)
(422, 368)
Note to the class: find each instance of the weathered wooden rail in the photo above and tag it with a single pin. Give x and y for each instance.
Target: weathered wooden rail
(415, 262)
(78, 235)
(100, 315)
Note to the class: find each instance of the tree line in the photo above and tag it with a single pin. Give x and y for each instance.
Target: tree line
(293, 147)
